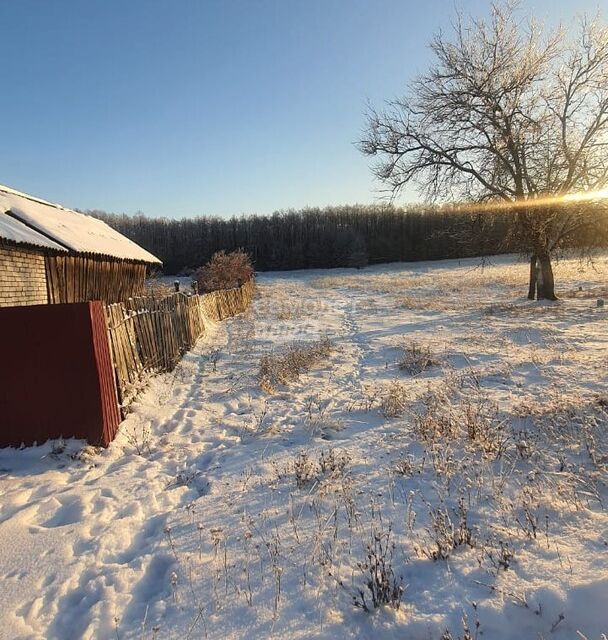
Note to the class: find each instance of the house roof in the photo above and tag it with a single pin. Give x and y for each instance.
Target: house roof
(15, 231)
(29, 220)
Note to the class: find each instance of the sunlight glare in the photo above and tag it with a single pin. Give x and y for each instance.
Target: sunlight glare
(537, 202)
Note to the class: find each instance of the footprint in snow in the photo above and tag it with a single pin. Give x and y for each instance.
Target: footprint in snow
(70, 511)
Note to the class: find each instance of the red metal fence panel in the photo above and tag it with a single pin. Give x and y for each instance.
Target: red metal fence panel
(56, 374)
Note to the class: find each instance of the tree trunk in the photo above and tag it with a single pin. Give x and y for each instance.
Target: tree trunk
(532, 284)
(546, 283)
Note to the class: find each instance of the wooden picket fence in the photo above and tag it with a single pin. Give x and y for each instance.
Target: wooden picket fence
(150, 335)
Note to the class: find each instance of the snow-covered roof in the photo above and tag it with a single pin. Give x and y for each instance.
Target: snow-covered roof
(15, 231)
(63, 228)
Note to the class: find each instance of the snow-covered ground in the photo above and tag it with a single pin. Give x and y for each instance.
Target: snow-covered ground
(476, 472)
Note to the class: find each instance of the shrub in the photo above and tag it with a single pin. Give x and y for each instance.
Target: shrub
(224, 271)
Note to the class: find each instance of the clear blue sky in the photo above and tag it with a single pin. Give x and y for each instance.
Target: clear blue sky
(187, 107)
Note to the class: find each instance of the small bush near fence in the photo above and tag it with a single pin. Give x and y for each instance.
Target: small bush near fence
(224, 271)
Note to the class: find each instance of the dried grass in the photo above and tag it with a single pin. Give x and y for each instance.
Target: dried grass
(282, 368)
(394, 400)
(416, 359)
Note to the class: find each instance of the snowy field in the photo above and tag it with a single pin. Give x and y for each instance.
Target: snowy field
(437, 442)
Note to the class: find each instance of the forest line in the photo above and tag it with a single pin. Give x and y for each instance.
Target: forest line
(342, 236)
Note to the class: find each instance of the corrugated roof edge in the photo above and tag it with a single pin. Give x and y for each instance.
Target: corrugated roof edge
(153, 259)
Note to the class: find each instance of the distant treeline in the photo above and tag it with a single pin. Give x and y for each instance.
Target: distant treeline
(352, 236)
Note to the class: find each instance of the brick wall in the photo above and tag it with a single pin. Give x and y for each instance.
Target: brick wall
(22, 277)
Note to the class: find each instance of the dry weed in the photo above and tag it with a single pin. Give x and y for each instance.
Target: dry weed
(416, 359)
(286, 367)
(394, 400)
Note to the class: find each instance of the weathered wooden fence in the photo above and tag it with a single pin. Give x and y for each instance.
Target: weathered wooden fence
(219, 305)
(149, 335)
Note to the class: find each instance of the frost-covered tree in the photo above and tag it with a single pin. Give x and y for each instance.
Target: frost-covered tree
(511, 117)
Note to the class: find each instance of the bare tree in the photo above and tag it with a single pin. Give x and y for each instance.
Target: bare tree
(510, 118)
